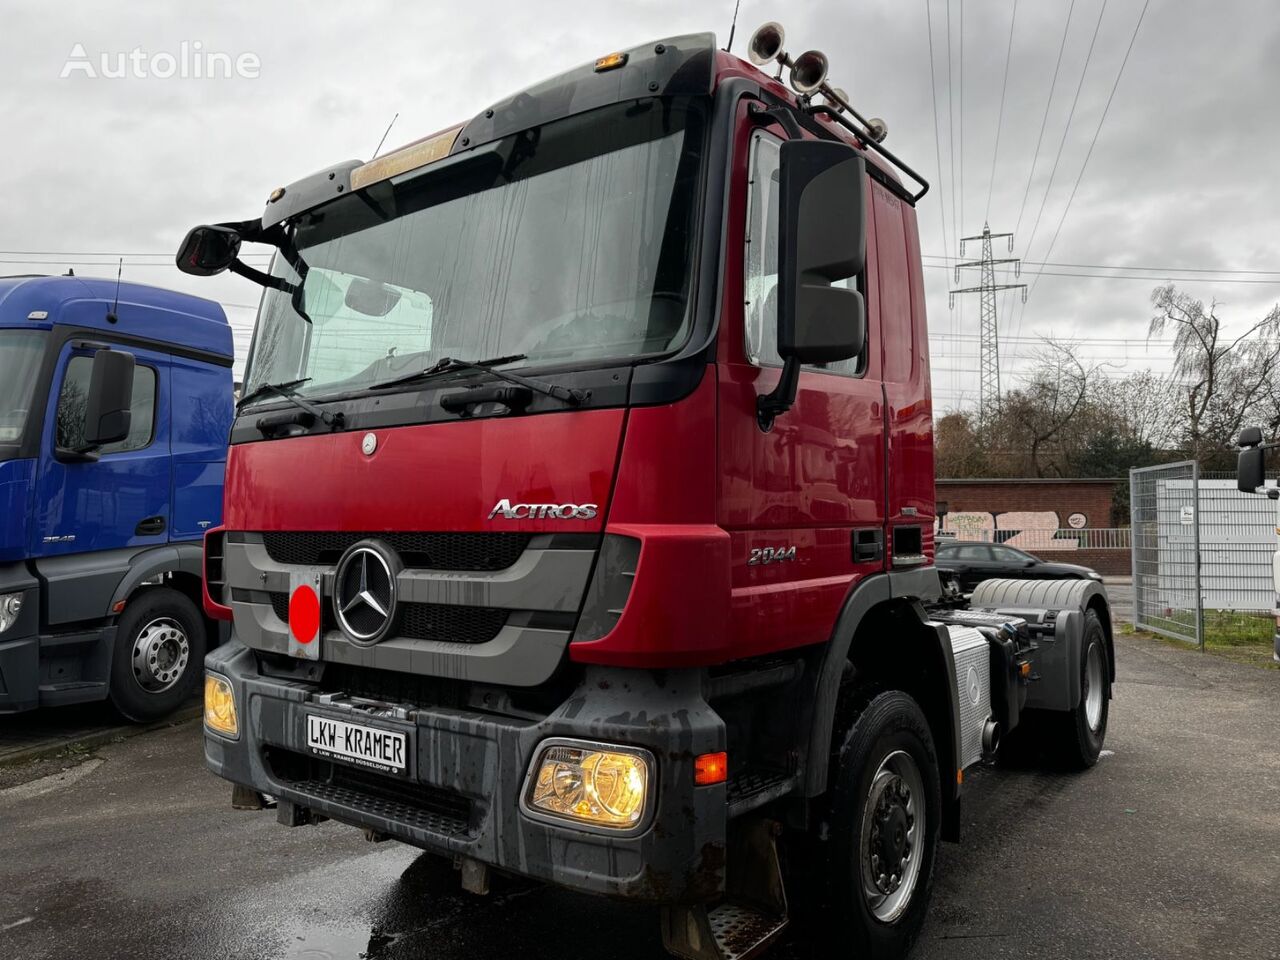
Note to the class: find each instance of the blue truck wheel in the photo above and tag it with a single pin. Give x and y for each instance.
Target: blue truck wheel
(159, 654)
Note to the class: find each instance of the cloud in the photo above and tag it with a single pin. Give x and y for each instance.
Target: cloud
(1179, 176)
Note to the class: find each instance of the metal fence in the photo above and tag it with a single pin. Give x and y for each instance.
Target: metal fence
(1065, 538)
(1166, 550)
(1198, 544)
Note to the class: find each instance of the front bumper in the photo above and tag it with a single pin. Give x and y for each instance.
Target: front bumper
(467, 771)
(20, 645)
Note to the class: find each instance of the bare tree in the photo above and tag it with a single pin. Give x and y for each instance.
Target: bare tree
(1225, 379)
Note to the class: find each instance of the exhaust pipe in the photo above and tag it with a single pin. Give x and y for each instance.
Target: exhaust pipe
(990, 738)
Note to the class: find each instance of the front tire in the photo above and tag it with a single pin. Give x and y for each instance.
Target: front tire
(158, 656)
(885, 813)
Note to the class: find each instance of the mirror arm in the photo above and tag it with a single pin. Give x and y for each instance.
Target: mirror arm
(781, 398)
(242, 269)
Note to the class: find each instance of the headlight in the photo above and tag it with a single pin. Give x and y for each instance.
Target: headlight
(592, 783)
(220, 706)
(10, 607)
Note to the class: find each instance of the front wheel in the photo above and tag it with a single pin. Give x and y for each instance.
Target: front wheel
(885, 813)
(159, 654)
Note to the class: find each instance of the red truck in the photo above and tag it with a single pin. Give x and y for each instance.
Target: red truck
(580, 510)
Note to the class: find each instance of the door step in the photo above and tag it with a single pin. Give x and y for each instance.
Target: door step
(752, 915)
(729, 931)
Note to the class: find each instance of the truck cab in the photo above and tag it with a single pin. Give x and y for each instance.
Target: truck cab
(115, 403)
(1251, 477)
(579, 511)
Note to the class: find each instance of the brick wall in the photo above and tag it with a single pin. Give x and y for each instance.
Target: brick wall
(1111, 563)
(1093, 498)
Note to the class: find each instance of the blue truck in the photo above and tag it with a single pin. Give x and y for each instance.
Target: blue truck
(115, 405)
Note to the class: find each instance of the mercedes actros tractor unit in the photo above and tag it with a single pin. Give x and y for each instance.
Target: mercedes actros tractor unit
(580, 511)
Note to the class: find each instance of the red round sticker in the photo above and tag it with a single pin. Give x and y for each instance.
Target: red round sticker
(304, 614)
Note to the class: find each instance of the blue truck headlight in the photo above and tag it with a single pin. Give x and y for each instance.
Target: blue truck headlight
(10, 607)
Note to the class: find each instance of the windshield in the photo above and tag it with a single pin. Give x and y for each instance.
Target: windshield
(20, 355)
(568, 243)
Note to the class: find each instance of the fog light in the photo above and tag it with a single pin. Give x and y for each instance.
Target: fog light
(593, 783)
(10, 607)
(220, 706)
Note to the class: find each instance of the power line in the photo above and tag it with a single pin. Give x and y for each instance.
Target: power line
(1066, 130)
(1035, 157)
(962, 216)
(1121, 266)
(1004, 86)
(1124, 276)
(1094, 141)
(937, 135)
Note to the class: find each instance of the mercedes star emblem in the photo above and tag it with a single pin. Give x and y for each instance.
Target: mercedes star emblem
(364, 592)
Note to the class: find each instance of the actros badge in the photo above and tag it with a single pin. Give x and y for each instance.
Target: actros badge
(543, 511)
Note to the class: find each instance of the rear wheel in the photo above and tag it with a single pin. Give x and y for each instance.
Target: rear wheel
(1076, 737)
(159, 654)
(885, 813)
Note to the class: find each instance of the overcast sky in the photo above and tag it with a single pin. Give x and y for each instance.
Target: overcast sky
(1182, 174)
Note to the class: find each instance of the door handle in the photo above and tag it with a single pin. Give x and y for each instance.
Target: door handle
(149, 527)
(868, 545)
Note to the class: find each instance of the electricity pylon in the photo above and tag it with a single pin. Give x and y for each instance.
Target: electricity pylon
(988, 342)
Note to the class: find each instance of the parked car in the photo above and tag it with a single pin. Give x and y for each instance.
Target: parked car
(972, 562)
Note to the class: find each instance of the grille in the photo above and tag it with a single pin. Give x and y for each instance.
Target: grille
(424, 621)
(423, 551)
(425, 807)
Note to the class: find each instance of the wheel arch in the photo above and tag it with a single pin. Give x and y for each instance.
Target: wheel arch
(182, 567)
(883, 635)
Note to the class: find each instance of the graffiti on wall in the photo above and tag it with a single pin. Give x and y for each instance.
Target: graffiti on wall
(1026, 529)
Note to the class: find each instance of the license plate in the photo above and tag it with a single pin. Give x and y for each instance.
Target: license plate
(354, 743)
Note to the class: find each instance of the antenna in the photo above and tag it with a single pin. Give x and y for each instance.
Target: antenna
(111, 314)
(384, 136)
(733, 26)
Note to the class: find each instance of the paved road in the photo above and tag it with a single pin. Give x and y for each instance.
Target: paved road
(1170, 848)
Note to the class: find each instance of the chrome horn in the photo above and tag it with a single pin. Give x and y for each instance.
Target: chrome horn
(809, 72)
(766, 43)
(809, 76)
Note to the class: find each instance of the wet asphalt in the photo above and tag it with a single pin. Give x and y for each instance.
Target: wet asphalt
(1170, 848)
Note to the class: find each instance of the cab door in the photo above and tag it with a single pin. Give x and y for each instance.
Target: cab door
(803, 502)
(119, 495)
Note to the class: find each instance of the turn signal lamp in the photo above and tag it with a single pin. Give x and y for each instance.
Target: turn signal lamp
(220, 706)
(602, 785)
(710, 768)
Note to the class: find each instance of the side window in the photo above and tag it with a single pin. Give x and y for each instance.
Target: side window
(973, 551)
(760, 276)
(73, 398)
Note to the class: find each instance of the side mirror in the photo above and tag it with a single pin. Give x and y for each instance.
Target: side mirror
(106, 418)
(208, 250)
(1251, 465)
(822, 240)
(1251, 468)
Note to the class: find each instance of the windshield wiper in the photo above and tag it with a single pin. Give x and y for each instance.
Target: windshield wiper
(288, 391)
(569, 395)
